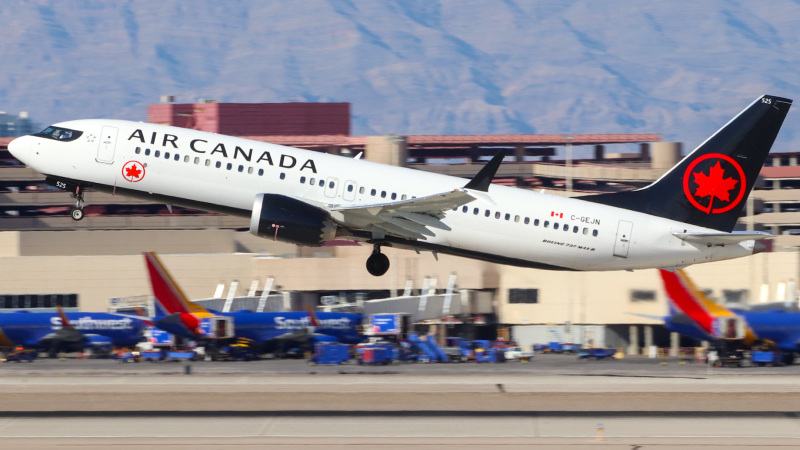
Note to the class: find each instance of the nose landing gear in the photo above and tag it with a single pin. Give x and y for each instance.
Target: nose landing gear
(377, 263)
(77, 211)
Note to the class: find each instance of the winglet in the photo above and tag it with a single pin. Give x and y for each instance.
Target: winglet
(166, 291)
(483, 179)
(64, 321)
(312, 317)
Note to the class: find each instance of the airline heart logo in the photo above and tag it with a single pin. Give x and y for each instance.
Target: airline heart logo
(714, 183)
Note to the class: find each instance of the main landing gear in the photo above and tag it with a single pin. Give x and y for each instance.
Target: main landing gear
(77, 211)
(377, 263)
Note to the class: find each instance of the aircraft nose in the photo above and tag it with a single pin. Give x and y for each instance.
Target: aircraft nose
(19, 146)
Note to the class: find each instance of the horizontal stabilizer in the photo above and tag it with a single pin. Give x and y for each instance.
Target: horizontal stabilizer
(722, 238)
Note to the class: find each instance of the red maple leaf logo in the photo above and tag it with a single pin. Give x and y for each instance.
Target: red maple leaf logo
(714, 185)
(132, 172)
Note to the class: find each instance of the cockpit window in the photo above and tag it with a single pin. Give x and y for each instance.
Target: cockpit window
(59, 134)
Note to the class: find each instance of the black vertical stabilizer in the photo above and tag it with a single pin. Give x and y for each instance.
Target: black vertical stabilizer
(709, 187)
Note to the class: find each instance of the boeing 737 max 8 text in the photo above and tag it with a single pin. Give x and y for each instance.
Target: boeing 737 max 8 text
(304, 197)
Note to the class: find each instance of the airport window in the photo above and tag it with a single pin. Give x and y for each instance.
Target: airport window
(476, 211)
(403, 197)
(147, 152)
(321, 183)
(516, 219)
(157, 153)
(735, 295)
(196, 160)
(331, 184)
(394, 196)
(260, 172)
(523, 296)
(250, 170)
(312, 181)
(208, 162)
(497, 215)
(508, 216)
(527, 220)
(641, 295)
(361, 190)
(536, 222)
(350, 188)
(464, 209)
(229, 166)
(283, 176)
(555, 225)
(575, 229)
(594, 233)
(166, 155)
(546, 223)
(566, 227)
(241, 168)
(585, 230)
(383, 194)
(302, 180)
(218, 164)
(138, 150)
(373, 192)
(486, 214)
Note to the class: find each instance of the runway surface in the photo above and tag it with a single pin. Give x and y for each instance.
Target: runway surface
(553, 402)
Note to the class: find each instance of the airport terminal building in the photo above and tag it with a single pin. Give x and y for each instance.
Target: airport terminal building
(96, 263)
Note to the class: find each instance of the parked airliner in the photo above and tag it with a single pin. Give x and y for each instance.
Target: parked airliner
(299, 196)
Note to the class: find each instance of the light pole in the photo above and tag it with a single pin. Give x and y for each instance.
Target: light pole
(569, 163)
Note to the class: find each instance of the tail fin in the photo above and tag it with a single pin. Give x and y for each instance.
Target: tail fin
(709, 187)
(690, 300)
(169, 296)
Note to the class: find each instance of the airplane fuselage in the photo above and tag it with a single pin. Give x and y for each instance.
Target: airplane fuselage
(214, 172)
(29, 328)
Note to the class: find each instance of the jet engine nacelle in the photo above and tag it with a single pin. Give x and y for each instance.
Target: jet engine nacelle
(289, 220)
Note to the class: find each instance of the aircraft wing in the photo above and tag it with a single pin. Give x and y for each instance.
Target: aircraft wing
(413, 218)
(416, 218)
(722, 238)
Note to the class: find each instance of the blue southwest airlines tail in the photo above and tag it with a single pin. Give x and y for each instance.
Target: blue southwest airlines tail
(709, 186)
(709, 316)
(185, 318)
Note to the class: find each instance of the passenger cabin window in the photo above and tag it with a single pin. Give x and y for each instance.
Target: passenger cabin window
(59, 134)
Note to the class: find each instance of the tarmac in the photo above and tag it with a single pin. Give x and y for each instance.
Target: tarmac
(553, 401)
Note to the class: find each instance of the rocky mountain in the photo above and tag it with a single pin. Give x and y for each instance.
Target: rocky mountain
(678, 68)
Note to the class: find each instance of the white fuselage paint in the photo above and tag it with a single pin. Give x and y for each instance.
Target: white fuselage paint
(651, 243)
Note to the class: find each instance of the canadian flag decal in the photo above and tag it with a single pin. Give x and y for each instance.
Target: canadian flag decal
(555, 214)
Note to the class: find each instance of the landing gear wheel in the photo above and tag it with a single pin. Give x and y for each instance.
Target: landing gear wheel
(377, 263)
(77, 211)
(77, 214)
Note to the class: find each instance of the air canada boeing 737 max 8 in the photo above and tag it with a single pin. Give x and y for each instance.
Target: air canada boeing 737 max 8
(685, 217)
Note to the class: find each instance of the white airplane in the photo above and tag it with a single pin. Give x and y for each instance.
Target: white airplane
(299, 196)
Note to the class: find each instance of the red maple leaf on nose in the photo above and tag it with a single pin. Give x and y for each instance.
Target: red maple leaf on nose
(714, 185)
(132, 172)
